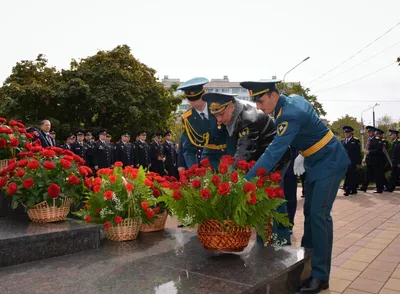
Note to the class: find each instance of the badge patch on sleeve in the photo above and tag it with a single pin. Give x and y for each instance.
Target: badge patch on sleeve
(281, 128)
(244, 132)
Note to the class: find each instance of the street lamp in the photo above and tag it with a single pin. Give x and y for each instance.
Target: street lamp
(362, 122)
(305, 59)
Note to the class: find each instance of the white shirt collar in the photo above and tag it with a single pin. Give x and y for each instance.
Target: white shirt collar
(205, 111)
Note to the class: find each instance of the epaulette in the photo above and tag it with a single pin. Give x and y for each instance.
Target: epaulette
(187, 114)
(356, 138)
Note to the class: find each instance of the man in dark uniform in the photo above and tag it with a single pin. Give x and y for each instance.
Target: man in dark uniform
(80, 147)
(201, 136)
(369, 170)
(170, 155)
(141, 156)
(325, 162)
(52, 134)
(90, 143)
(108, 140)
(353, 148)
(102, 152)
(290, 189)
(395, 158)
(124, 150)
(69, 140)
(157, 156)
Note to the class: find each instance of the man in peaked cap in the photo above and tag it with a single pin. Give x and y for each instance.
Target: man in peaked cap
(124, 150)
(69, 140)
(395, 158)
(170, 155)
(157, 156)
(369, 170)
(325, 163)
(141, 151)
(353, 148)
(201, 136)
(79, 147)
(102, 152)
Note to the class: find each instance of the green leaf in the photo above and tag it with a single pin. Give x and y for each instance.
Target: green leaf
(14, 204)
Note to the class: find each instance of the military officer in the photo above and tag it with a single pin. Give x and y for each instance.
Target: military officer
(124, 150)
(52, 134)
(157, 156)
(90, 143)
(102, 152)
(108, 140)
(369, 171)
(80, 147)
(353, 148)
(325, 162)
(201, 136)
(395, 158)
(69, 140)
(141, 156)
(377, 159)
(170, 155)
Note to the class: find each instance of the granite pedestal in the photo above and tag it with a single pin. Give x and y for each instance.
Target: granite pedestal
(23, 241)
(169, 261)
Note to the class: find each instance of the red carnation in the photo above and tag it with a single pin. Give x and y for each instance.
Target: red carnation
(145, 205)
(205, 163)
(234, 177)
(174, 185)
(14, 142)
(73, 180)
(69, 157)
(205, 193)
(83, 171)
(224, 189)
(33, 164)
(118, 163)
(177, 195)
(200, 172)
(3, 143)
(65, 164)
(160, 179)
(261, 172)
(49, 165)
(251, 164)
(29, 135)
(157, 209)
(97, 181)
(156, 193)
(165, 185)
(98, 210)
(149, 213)
(216, 180)
(113, 179)
(270, 192)
(148, 183)
(196, 184)
(247, 187)
(275, 177)
(223, 169)
(22, 163)
(88, 183)
(252, 199)
(96, 188)
(279, 193)
(3, 182)
(118, 219)
(107, 225)
(88, 219)
(129, 187)
(243, 165)
(20, 173)
(227, 159)
(36, 149)
(12, 188)
(260, 182)
(2, 120)
(48, 153)
(11, 166)
(184, 180)
(108, 194)
(53, 190)
(8, 131)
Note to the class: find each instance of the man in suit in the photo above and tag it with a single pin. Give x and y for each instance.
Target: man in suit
(141, 155)
(157, 156)
(44, 136)
(170, 155)
(80, 147)
(102, 152)
(353, 149)
(124, 150)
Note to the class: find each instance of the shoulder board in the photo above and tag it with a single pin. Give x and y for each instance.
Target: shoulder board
(187, 114)
(356, 138)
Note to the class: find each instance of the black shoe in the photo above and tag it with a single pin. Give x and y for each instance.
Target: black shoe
(346, 193)
(353, 193)
(363, 189)
(314, 286)
(378, 192)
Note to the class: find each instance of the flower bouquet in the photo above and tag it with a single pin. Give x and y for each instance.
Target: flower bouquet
(45, 181)
(224, 205)
(119, 199)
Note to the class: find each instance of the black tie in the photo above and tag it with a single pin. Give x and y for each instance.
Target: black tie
(203, 115)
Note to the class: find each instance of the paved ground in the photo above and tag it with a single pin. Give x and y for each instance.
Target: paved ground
(366, 249)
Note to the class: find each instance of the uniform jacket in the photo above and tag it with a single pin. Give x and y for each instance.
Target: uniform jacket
(124, 153)
(353, 150)
(156, 150)
(80, 150)
(141, 156)
(102, 154)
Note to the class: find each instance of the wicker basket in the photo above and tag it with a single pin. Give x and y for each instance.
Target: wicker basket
(127, 230)
(43, 213)
(157, 225)
(3, 163)
(223, 237)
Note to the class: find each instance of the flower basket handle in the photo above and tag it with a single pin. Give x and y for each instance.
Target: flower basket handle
(129, 195)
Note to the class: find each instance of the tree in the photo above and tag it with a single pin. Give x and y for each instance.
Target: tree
(296, 88)
(385, 123)
(337, 125)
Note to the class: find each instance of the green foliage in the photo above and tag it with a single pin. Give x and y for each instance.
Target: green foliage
(347, 120)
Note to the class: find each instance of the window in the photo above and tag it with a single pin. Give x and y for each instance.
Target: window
(235, 90)
(225, 90)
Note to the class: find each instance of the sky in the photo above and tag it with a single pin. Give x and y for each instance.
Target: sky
(245, 40)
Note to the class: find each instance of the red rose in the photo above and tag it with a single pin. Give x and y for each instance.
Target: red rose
(48, 153)
(145, 205)
(22, 163)
(107, 225)
(3, 182)
(118, 219)
(129, 187)
(12, 188)
(205, 163)
(227, 159)
(96, 188)
(98, 210)
(251, 164)
(156, 193)
(224, 189)
(88, 183)
(73, 180)
(14, 142)
(20, 173)
(177, 195)
(234, 177)
(88, 219)
(174, 185)
(149, 213)
(200, 172)
(223, 169)
(65, 163)
(3, 120)
(216, 180)
(275, 177)
(118, 163)
(243, 165)
(270, 192)
(83, 171)
(69, 157)
(196, 184)
(149, 183)
(279, 193)
(113, 179)
(97, 181)
(252, 199)
(205, 193)
(49, 165)
(33, 164)
(11, 166)
(247, 187)
(260, 182)
(3, 143)
(53, 190)
(108, 194)
(261, 172)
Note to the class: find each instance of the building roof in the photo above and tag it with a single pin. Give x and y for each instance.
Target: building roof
(222, 85)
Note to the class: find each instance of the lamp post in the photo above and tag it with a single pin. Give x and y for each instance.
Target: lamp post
(305, 59)
(362, 122)
(373, 114)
